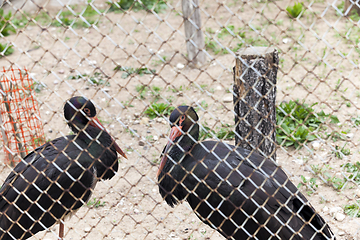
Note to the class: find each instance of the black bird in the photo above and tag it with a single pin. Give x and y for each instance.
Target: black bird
(58, 177)
(233, 190)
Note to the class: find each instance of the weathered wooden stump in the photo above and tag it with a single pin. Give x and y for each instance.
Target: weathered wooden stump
(255, 75)
(194, 36)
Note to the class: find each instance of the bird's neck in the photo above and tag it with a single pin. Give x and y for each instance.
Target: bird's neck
(185, 142)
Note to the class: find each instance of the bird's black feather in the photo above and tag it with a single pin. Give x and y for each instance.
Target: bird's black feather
(238, 192)
(54, 180)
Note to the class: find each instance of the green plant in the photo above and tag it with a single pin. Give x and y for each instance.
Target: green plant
(95, 79)
(6, 49)
(341, 151)
(129, 71)
(225, 132)
(295, 10)
(142, 90)
(5, 26)
(95, 203)
(354, 170)
(67, 18)
(352, 209)
(123, 5)
(353, 14)
(311, 185)
(158, 109)
(297, 121)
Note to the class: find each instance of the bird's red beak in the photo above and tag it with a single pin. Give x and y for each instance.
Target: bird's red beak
(174, 133)
(96, 123)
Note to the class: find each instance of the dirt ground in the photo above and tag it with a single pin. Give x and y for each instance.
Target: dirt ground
(318, 63)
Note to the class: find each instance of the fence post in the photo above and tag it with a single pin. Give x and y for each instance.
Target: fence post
(193, 33)
(255, 75)
(353, 6)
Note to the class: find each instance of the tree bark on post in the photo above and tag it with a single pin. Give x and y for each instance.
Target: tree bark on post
(353, 6)
(194, 36)
(255, 75)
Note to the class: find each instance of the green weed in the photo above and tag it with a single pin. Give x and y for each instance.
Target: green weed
(225, 132)
(340, 152)
(295, 10)
(310, 185)
(297, 121)
(352, 210)
(158, 109)
(123, 5)
(95, 203)
(95, 79)
(129, 71)
(6, 50)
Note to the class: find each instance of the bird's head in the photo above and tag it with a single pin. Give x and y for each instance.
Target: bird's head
(183, 122)
(80, 114)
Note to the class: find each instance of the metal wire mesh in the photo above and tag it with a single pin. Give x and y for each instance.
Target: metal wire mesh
(130, 58)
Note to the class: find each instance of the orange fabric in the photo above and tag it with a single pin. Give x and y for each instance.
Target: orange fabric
(20, 114)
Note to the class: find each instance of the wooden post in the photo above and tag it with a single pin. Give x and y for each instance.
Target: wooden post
(353, 6)
(255, 75)
(194, 36)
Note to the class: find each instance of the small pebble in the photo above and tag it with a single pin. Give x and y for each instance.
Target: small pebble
(286, 40)
(61, 71)
(334, 210)
(180, 66)
(87, 229)
(141, 143)
(316, 145)
(350, 135)
(156, 138)
(144, 121)
(136, 115)
(325, 209)
(228, 99)
(339, 216)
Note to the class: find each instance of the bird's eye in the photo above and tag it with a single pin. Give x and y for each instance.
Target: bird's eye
(87, 111)
(182, 118)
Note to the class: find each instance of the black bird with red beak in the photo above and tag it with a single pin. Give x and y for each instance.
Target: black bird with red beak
(56, 179)
(239, 193)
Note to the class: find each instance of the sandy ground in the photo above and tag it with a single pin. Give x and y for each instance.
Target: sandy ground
(317, 64)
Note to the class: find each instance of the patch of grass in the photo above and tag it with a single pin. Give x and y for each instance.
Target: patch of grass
(158, 109)
(353, 14)
(5, 26)
(129, 71)
(142, 90)
(356, 121)
(213, 46)
(37, 86)
(340, 152)
(6, 49)
(295, 10)
(96, 79)
(159, 62)
(310, 185)
(225, 132)
(354, 170)
(352, 210)
(67, 18)
(297, 121)
(95, 203)
(123, 5)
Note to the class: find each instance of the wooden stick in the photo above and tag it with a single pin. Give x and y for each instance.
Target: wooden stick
(61, 230)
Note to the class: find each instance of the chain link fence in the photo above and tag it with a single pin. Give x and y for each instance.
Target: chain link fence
(130, 58)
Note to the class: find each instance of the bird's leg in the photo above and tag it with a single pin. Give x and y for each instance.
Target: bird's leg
(61, 230)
